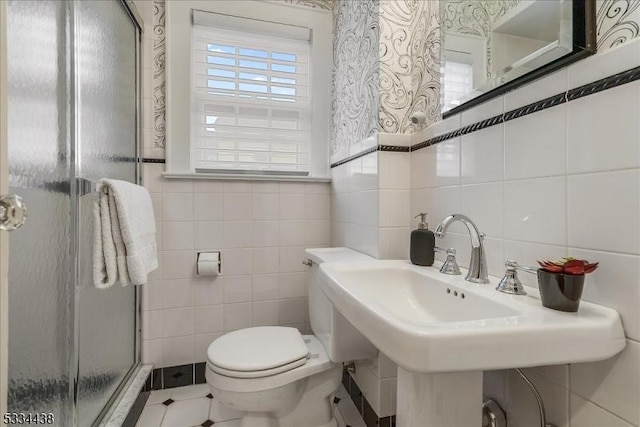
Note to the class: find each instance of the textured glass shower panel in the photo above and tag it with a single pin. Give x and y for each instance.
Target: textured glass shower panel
(39, 259)
(106, 78)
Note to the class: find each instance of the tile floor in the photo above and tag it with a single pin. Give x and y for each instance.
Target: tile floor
(194, 405)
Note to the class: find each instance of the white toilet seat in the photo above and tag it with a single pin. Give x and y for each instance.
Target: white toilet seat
(258, 352)
(259, 373)
(317, 362)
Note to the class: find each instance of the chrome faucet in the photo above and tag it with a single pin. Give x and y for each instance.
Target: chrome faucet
(478, 262)
(510, 283)
(450, 265)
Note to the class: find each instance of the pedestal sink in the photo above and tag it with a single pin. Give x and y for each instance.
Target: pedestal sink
(443, 331)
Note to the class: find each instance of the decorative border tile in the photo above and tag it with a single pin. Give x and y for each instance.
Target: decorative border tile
(552, 101)
(606, 83)
(369, 416)
(176, 376)
(149, 160)
(392, 148)
(355, 156)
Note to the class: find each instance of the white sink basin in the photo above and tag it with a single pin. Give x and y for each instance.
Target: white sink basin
(428, 322)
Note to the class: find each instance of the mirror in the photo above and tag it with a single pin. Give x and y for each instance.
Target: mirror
(493, 46)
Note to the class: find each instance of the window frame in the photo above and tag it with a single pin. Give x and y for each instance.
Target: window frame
(219, 28)
(179, 149)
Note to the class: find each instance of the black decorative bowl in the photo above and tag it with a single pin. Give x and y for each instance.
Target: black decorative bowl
(560, 291)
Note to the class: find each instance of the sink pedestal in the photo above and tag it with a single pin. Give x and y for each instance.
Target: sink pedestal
(439, 400)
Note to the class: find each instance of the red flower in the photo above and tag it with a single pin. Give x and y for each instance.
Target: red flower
(571, 266)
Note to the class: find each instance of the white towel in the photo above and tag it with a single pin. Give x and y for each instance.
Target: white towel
(124, 247)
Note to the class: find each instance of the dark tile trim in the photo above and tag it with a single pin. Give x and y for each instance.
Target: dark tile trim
(355, 156)
(199, 370)
(606, 83)
(367, 413)
(154, 382)
(552, 101)
(176, 376)
(149, 160)
(392, 148)
(136, 409)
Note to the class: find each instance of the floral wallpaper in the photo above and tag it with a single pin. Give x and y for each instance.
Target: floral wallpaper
(386, 66)
(158, 63)
(320, 4)
(356, 88)
(409, 63)
(617, 22)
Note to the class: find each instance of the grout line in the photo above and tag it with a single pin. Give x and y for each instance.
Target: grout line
(603, 251)
(597, 405)
(625, 169)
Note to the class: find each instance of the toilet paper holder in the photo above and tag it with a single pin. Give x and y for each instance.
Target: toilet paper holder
(209, 257)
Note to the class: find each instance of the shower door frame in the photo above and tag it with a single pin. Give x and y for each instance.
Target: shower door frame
(4, 239)
(76, 191)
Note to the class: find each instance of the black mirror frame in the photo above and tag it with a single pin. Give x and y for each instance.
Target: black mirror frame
(584, 44)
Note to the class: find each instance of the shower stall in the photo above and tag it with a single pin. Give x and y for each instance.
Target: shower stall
(73, 118)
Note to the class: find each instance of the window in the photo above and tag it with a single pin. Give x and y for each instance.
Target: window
(458, 82)
(251, 106)
(248, 90)
(465, 68)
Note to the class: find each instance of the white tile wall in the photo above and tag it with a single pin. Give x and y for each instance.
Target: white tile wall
(561, 182)
(483, 155)
(613, 384)
(354, 205)
(590, 141)
(261, 229)
(536, 144)
(371, 212)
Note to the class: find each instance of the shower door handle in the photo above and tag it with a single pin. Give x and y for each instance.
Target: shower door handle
(13, 212)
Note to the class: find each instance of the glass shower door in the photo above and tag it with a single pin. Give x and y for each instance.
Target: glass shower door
(40, 168)
(106, 82)
(73, 113)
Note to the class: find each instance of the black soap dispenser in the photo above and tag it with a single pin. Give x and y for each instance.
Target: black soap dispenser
(423, 243)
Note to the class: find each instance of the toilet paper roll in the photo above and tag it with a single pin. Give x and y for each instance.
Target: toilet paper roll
(208, 264)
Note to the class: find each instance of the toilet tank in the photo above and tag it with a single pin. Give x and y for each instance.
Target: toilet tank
(340, 339)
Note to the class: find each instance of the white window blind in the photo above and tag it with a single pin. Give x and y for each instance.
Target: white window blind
(458, 82)
(251, 106)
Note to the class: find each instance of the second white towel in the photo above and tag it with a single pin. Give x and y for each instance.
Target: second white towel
(124, 248)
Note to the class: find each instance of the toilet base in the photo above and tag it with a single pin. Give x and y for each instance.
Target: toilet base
(307, 402)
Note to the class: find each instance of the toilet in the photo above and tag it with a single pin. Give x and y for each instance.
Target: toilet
(277, 377)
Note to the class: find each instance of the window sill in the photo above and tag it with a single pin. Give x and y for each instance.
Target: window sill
(233, 177)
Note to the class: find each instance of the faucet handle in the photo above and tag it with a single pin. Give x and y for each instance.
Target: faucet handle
(450, 265)
(510, 283)
(511, 264)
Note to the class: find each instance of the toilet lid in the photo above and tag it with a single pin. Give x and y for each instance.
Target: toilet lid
(257, 374)
(258, 349)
